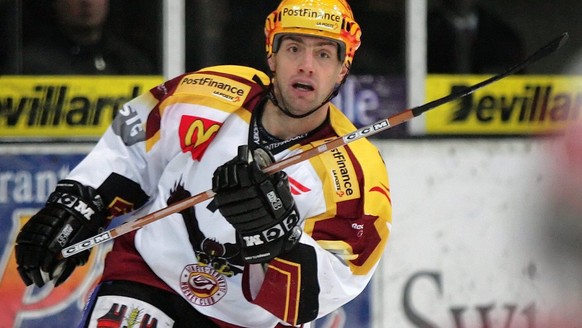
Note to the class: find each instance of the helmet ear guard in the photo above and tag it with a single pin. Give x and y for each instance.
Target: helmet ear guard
(329, 19)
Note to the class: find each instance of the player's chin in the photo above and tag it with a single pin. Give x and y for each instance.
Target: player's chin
(303, 108)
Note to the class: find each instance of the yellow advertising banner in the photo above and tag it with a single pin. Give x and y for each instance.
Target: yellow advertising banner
(65, 107)
(516, 105)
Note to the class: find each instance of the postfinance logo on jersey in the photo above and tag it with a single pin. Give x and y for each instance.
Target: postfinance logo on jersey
(224, 89)
(345, 182)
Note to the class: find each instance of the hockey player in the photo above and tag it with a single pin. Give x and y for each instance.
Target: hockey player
(268, 250)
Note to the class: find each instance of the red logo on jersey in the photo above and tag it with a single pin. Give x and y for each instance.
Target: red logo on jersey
(296, 187)
(196, 133)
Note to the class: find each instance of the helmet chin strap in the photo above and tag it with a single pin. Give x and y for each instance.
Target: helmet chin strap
(283, 108)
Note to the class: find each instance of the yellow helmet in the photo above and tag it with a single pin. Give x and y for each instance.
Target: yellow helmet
(331, 19)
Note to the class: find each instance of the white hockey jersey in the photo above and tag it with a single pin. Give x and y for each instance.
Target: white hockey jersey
(164, 146)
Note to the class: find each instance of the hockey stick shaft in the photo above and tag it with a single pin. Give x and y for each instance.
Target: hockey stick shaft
(366, 131)
(409, 114)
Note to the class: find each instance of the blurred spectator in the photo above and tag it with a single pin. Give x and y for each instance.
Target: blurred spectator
(464, 38)
(76, 43)
(235, 36)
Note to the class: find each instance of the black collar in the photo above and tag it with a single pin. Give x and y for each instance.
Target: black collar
(260, 137)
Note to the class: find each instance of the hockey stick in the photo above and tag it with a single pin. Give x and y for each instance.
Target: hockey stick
(369, 130)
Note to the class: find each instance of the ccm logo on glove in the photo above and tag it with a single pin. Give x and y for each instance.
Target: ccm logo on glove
(72, 202)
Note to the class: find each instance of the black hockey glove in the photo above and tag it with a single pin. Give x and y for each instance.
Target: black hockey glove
(259, 206)
(72, 213)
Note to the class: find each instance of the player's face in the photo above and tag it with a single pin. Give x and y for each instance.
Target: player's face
(306, 69)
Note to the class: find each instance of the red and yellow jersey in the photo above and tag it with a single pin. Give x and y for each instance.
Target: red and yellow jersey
(164, 146)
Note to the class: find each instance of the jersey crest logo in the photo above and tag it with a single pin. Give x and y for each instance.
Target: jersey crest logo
(202, 285)
(196, 133)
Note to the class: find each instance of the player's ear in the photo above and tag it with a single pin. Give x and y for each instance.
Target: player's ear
(343, 72)
(271, 62)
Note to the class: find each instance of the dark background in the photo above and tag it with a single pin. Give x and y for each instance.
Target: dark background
(231, 31)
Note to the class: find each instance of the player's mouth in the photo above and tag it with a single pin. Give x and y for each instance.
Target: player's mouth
(303, 86)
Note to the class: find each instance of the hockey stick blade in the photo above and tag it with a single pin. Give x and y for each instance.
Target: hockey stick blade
(406, 115)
